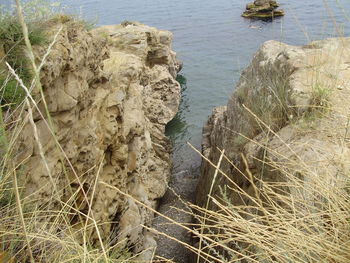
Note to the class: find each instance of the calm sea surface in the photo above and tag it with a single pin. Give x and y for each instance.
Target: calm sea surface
(215, 43)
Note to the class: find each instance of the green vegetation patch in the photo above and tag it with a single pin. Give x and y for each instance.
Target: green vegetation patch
(12, 46)
(11, 93)
(39, 16)
(320, 96)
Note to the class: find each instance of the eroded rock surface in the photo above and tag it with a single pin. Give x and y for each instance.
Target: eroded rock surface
(268, 118)
(110, 93)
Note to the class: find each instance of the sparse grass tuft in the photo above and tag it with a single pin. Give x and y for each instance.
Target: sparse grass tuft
(273, 103)
(60, 18)
(320, 97)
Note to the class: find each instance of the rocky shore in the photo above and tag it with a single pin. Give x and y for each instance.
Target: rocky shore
(285, 125)
(110, 93)
(277, 153)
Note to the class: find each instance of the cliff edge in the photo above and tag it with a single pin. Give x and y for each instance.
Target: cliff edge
(285, 136)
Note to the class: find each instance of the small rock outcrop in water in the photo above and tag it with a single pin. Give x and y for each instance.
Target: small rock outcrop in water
(110, 94)
(280, 87)
(262, 9)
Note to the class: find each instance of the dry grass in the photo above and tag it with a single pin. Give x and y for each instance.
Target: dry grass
(278, 222)
(41, 233)
(270, 225)
(29, 232)
(301, 217)
(291, 209)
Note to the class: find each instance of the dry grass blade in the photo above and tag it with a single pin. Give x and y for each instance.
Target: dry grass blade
(207, 205)
(20, 211)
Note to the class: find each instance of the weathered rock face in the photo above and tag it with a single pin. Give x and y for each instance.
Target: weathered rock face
(110, 94)
(268, 118)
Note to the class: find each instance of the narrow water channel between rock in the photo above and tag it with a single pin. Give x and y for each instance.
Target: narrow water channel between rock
(182, 189)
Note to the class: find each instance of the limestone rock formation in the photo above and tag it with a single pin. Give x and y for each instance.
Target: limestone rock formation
(110, 93)
(262, 9)
(268, 118)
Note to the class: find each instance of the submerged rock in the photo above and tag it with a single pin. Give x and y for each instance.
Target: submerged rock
(262, 9)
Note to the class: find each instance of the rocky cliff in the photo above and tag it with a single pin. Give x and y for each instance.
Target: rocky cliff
(110, 93)
(287, 118)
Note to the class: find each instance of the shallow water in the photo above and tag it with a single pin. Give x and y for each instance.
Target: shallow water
(215, 43)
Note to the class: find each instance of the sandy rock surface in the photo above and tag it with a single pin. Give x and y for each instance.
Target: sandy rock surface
(285, 74)
(290, 108)
(110, 93)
